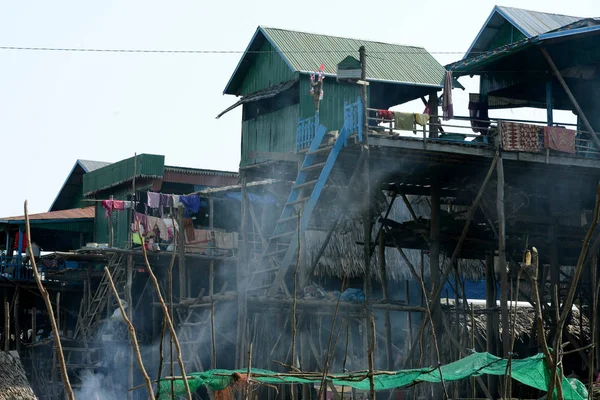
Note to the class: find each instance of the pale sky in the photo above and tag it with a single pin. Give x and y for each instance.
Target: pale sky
(56, 107)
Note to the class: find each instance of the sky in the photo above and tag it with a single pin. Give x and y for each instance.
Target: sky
(57, 107)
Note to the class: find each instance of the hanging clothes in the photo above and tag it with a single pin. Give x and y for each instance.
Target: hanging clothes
(447, 106)
(519, 137)
(176, 201)
(480, 120)
(153, 200)
(188, 226)
(108, 206)
(422, 119)
(141, 220)
(118, 205)
(191, 203)
(166, 200)
(559, 139)
(384, 114)
(404, 121)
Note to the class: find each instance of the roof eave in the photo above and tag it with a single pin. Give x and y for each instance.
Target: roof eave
(77, 163)
(228, 89)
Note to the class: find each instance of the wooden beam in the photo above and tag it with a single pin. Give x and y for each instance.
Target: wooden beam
(276, 156)
(502, 258)
(564, 85)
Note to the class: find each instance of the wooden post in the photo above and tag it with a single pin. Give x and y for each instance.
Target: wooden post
(564, 85)
(241, 276)
(434, 268)
(181, 255)
(58, 312)
(554, 268)
(211, 285)
(433, 110)
(367, 221)
(384, 288)
(16, 314)
(129, 301)
(111, 233)
(491, 317)
(408, 314)
(33, 324)
(502, 258)
(6, 323)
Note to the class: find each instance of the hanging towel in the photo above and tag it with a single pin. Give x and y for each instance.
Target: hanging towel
(127, 204)
(559, 139)
(447, 106)
(141, 220)
(136, 238)
(191, 203)
(118, 205)
(404, 121)
(153, 200)
(384, 114)
(176, 201)
(422, 119)
(519, 137)
(108, 206)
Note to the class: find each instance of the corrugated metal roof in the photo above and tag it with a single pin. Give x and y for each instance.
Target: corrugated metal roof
(305, 52)
(197, 171)
(528, 24)
(533, 23)
(89, 165)
(75, 213)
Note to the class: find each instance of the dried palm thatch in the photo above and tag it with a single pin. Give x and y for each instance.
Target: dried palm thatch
(344, 257)
(13, 381)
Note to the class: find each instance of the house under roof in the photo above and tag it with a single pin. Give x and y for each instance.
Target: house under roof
(70, 194)
(301, 52)
(507, 25)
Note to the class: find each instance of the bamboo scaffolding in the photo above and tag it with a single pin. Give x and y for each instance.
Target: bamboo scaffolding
(169, 321)
(46, 297)
(136, 346)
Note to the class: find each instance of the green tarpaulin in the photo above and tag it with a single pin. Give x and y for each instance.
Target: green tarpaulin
(530, 371)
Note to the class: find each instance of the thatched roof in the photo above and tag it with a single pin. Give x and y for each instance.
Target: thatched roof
(13, 381)
(344, 257)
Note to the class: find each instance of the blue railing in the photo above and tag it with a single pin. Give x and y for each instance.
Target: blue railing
(14, 268)
(353, 122)
(353, 118)
(305, 132)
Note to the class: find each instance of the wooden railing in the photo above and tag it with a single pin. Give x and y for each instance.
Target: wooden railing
(460, 130)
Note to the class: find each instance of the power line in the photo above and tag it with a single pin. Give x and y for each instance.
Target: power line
(90, 50)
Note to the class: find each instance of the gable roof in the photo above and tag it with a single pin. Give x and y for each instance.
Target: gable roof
(527, 22)
(72, 186)
(72, 214)
(305, 52)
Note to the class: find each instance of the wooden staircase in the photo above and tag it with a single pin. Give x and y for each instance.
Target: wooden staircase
(282, 247)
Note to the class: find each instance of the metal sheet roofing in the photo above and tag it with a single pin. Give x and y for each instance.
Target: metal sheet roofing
(305, 52)
(89, 165)
(533, 23)
(528, 23)
(75, 213)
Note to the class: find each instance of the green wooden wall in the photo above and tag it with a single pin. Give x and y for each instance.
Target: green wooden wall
(267, 69)
(331, 109)
(273, 132)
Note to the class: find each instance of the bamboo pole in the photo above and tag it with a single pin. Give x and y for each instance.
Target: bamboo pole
(134, 341)
(46, 297)
(294, 302)
(595, 290)
(6, 324)
(571, 296)
(169, 321)
(16, 317)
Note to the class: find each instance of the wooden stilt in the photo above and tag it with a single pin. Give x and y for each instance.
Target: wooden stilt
(241, 278)
(129, 316)
(434, 268)
(6, 324)
(491, 318)
(181, 254)
(501, 267)
(16, 314)
(386, 315)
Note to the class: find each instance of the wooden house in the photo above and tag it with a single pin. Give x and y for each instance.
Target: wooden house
(272, 80)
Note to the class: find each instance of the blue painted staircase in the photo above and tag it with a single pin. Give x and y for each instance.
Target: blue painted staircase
(282, 248)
